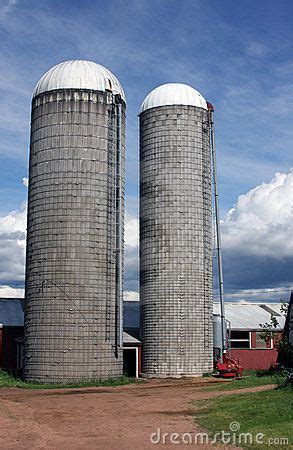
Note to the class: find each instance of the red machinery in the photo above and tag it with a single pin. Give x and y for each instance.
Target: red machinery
(229, 367)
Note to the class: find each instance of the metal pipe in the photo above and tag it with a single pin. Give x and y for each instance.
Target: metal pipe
(119, 238)
(229, 336)
(218, 231)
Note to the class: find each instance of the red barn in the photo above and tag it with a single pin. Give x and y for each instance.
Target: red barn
(247, 344)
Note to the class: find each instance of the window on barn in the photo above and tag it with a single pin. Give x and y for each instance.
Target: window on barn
(260, 342)
(240, 339)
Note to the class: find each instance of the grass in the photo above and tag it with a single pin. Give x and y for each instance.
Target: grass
(7, 380)
(266, 412)
(250, 379)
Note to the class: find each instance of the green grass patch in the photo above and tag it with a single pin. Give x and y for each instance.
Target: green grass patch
(267, 412)
(249, 380)
(7, 380)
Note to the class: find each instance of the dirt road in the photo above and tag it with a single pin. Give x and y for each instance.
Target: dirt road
(121, 417)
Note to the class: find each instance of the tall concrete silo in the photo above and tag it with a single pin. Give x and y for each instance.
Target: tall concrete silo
(175, 233)
(74, 263)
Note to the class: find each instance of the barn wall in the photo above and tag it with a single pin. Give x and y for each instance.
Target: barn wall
(255, 359)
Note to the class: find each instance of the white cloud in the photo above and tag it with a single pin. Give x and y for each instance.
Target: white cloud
(260, 223)
(14, 222)
(25, 181)
(12, 246)
(131, 253)
(259, 295)
(131, 231)
(8, 292)
(131, 296)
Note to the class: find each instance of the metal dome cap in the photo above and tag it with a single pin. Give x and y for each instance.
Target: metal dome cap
(79, 74)
(173, 94)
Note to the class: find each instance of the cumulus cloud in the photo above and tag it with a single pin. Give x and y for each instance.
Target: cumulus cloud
(131, 296)
(257, 241)
(131, 231)
(263, 295)
(261, 223)
(9, 292)
(25, 181)
(12, 248)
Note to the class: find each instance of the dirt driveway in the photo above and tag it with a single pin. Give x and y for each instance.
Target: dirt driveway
(121, 417)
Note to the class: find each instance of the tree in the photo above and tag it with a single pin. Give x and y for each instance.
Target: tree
(270, 330)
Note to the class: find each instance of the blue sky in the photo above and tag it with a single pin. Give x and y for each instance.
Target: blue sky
(237, 54)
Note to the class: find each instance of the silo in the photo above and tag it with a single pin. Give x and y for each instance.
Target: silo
(175, 233)
(74, 262)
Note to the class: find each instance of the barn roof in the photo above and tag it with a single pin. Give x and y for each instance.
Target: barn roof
(11, 312)
(249, 316)
(127, 339)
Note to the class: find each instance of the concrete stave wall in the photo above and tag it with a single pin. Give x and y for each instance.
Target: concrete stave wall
(175, 241)
(70, 319)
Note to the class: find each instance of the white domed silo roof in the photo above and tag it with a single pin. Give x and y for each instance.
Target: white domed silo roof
(79, 74)
(173, 94)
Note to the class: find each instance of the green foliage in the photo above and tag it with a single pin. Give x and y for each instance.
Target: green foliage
(7, 380)
(286, 383)
(270, 328)
(282, 345)
(271, 371)
(285, 351)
